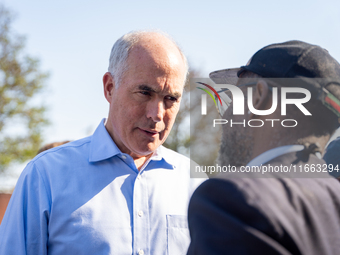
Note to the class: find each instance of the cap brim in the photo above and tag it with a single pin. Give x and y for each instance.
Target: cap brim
(225, 76)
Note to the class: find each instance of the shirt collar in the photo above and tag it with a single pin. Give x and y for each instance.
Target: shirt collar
(273, 153)
(103, 147)
(167, 155)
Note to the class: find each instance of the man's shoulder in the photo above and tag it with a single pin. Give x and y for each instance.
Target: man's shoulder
(65, 149)
(55, 160)
(266, 191)
(262, 193)
(277, 178)
(62, 155)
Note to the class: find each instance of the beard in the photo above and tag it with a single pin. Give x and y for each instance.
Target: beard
(236, 146)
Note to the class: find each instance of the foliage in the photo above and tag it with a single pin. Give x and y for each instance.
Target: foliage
(21, 121)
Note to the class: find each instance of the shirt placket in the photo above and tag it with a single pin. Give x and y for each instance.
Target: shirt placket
(141, 222)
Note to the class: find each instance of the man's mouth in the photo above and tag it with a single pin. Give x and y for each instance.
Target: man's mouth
(152, 133)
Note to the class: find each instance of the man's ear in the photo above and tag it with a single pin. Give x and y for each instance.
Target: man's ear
(109, 86)
(260, 96)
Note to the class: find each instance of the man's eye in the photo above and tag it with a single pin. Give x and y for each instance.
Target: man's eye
(145, 93)
(173, 99)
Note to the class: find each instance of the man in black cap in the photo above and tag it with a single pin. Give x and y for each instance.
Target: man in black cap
(276, 213)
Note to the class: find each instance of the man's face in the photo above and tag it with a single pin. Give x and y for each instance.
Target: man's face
(237, 141)
(144, 106)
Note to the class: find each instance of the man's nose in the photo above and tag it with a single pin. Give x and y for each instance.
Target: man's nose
(156, 110)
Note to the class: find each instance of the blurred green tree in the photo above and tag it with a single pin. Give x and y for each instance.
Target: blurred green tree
(21, 120)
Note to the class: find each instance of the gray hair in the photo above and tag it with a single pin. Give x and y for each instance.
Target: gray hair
(122, 47)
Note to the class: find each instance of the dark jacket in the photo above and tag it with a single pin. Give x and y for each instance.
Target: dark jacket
(266, 215)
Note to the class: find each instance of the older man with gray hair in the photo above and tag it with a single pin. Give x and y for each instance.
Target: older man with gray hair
(118, 191)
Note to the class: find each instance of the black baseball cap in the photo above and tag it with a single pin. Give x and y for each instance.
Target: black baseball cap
(293, 59)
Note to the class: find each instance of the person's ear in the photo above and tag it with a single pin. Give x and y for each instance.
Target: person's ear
(109, 86)
(260, 96)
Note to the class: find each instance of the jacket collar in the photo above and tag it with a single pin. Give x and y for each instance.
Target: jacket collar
(273, 153)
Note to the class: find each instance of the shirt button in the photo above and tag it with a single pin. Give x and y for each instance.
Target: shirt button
(138, 177)
(140, 252)
(140, 214)
(123, 157)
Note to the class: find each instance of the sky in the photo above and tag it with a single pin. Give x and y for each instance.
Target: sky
(73, 40)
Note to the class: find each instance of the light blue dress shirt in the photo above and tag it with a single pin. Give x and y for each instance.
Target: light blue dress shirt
(87, 197)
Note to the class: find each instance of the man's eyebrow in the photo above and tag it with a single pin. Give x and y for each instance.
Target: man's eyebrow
(148, 88)
(176, 94)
